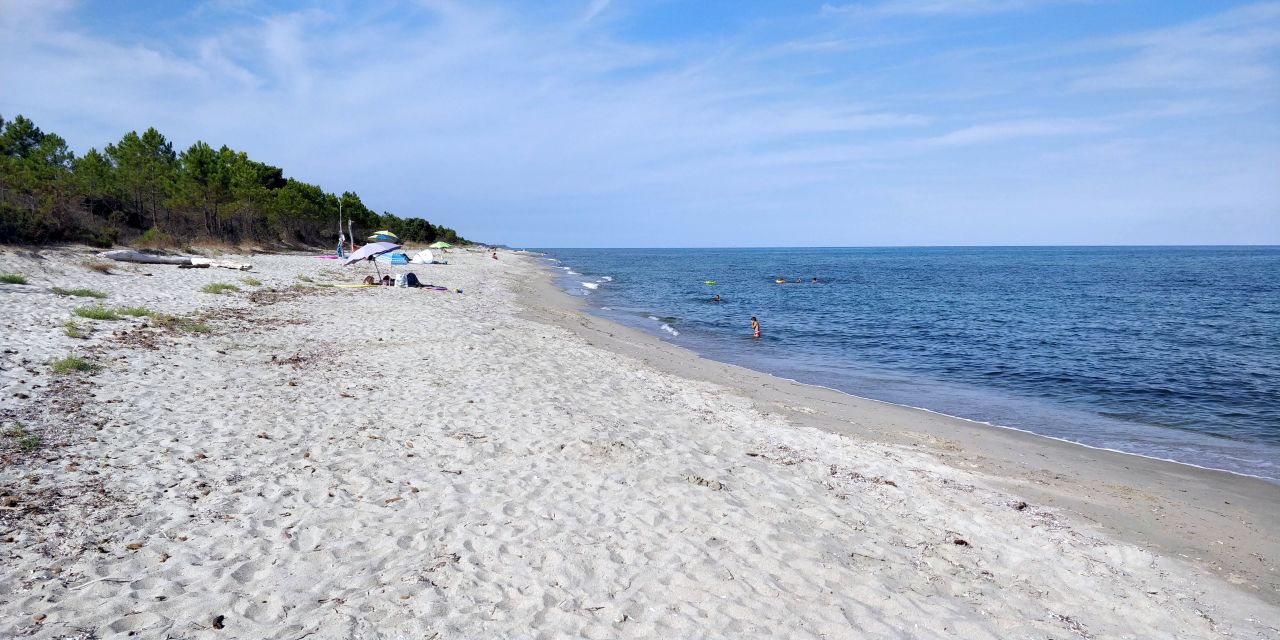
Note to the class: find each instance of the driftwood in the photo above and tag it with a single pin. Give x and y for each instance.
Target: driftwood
(128, 255)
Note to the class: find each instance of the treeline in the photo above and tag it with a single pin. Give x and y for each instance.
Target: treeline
(140, 190)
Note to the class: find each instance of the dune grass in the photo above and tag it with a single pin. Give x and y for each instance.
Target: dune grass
(136, 312)
(12, 278)
(82, 293)
(73, 364)
(219, 287)
(100, 267)
(305, 278)
(253, 282)
(26, 441)
(97, 313)
(177, 323)
(74, 330)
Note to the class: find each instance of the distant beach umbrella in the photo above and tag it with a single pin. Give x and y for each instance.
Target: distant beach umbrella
(383, 236)
(440, 245)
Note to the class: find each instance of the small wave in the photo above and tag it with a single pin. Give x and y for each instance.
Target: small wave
(654, 318)
(606, 278)
(666, 327)
(571, 272)
(591, 285)
(566, 269)
(552, 260)
(606, 308)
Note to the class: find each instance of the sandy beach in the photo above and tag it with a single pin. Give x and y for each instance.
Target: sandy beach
(291, 460)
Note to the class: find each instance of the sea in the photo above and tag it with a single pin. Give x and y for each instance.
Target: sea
(1166, 352)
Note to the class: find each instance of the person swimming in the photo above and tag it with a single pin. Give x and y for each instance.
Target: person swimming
(716, 299)
(755, 326)
(814, 280)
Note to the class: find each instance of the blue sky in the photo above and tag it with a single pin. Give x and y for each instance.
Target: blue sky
(662, 123)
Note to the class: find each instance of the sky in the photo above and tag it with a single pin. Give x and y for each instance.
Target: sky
(737, 123)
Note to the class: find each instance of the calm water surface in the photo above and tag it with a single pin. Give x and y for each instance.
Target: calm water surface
(1167, 352)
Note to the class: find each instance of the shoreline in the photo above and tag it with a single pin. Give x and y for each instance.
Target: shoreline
(1185, 495)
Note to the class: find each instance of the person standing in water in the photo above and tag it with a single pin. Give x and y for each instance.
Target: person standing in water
(755, 326)
(716, 299)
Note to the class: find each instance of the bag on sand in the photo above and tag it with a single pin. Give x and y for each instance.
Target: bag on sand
(407, 280)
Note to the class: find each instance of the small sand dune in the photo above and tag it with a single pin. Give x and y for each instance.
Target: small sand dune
(342, 463)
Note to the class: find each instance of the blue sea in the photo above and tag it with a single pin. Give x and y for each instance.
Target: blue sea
(1172, 353)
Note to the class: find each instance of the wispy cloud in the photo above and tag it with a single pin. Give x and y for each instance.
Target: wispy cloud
(937, 7)
(1234, 50)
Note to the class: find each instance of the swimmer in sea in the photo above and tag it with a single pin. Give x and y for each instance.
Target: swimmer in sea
(815, 280)
(716, 299)
(755, 326)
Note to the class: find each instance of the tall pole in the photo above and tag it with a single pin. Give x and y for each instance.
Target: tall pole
(339, 227)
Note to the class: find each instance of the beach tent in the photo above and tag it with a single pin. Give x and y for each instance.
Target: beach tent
(423, 257)
(384, 236)
(440, 245)
(395, 257)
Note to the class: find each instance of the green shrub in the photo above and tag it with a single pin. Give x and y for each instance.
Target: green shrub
(74, 330)
(97, 313)
(83, 293)
(219, 287)
(136, 312)
(253, 282)
(185, 325)
(73, 364)
(29, 443)
(12, 278)
(16, 431)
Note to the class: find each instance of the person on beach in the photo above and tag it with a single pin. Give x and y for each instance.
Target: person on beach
(495, 255)
(755, 326)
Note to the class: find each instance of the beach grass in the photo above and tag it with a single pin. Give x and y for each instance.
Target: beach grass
(29, 443)
(74, 330)
(12, 278)
(97, 313)
(253, 282)
(101, 267)
(136, 312)
(72, 364)
(178, 323)
(218, 287)
(82, 293)
(305, 278)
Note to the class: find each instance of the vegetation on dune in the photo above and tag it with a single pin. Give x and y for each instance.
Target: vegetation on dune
(142, 190)
(97, 313)
(176, 323)
(74, 330)
(26, 441)
(219, 287)
(72, 364)
(12, 278)
(82, 293)
(136, 312)
(253, 282)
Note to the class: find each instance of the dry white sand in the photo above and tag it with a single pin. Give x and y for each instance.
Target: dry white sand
(406, 463)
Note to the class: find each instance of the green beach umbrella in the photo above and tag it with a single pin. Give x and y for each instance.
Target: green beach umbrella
(440, 245)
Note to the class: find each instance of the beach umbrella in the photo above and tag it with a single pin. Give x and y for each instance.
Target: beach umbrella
(383, 236)
(440, 245)
(369, 252)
